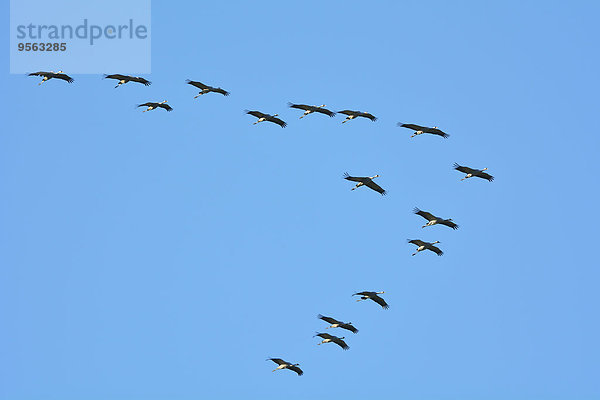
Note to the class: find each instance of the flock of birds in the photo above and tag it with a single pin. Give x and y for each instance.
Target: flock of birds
(360, 181)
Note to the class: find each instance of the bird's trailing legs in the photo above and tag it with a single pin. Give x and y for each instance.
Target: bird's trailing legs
(416, 133)
(120, 83)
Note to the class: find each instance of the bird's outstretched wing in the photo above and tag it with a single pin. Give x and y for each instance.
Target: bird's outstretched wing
(449, 223)
(367, 115)
(220, 91)
(414, 127)
(417, 242)
(277, 361)
(340, 342)
(40, 73)
(436, 131)
(324, 111)
(64, 77)
(425, 214)
(353, 178)
(296, 369)
(277, 121)
(349, 327)
(380, 301)
(301, 107)
(369, 183)
(436, 250)
(464, 169)
(328, 319)
(166, 107)
(324, 335)
(140, 80)
(484, 175)
(148, 104)
(257, 114)
(197, 84)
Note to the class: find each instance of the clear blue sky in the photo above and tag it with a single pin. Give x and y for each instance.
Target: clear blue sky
(167, 255)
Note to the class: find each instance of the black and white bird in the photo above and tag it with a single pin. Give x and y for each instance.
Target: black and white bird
(327, 338)
(311, 109)
(355, 114)
(433, 220)
(421, 245)
(206, 89)
(471, 172)
(126, 78)
(419, 130)
(286, 365)
(266, 117)
(365, 181)
(151, 105)
(50, 75)
(373, 296)
(338, 324)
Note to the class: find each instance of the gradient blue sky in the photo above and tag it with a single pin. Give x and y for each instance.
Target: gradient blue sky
(166, 255)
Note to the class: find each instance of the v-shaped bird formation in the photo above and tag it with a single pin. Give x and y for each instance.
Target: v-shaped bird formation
(367, 181)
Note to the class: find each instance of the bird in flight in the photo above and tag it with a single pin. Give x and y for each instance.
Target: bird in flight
(365, 181)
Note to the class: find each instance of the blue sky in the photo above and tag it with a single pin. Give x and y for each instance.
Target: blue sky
(167, 255)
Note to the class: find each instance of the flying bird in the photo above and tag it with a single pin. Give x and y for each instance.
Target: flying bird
(311, 109)
(433, 220)
(419, 130)
(266, 117)
(126, 78)
(206, 89)
(152, 105)
(338, 324)
(372, 296)
(426, 246)
(49, 75)
(327, 338)
(354, 114)
(366, 181)
(286, 365)
(471, 172)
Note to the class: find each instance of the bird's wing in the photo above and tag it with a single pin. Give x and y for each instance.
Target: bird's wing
(417, 242)
(39, 73)
(375, 187)
(340, 343)
(115, 76)
(414, 127)
(148, 104)
(380, 301)
(484, 175)
(349, 327)
(221, 91)
(324, 335)
(369, 116)
(425, 214)
(257, 114)
(436, 250)
(277, 121)
(324, 111)
(353, 178)
(64, 77)
(296, 370)
(363, 294)
(166, 107)
(449, 223)
(278, 361)
(466, 170)
(300, 106)
(348, 112)
(199, 85)
(140, 80)
(328, 319)
(436, 131)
